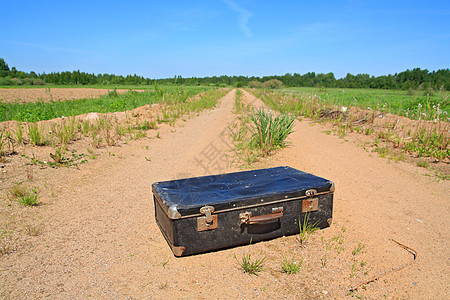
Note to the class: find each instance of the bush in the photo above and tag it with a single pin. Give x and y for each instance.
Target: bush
(16, 81)
(27, 81)
(255, 84)
(273, 84)
(5, 81)
(38, 82)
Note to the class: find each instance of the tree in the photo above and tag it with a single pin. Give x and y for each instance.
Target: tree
(3, 65)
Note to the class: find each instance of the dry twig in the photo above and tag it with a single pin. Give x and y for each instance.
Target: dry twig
(409, 249)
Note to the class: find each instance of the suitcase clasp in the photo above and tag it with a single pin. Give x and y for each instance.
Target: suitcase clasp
(209, 221)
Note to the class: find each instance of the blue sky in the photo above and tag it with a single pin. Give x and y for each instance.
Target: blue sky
(200, 38)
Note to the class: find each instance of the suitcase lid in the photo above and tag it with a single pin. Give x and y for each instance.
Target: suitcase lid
(185, 197)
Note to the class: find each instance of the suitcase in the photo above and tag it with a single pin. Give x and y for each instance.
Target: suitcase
(206, 213)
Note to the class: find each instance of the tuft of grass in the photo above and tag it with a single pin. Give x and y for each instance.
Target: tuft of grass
(359, 248)
(306, 229)
(423, 164)
(249, 266)
(164, 263)
(65, 131)
(23, 195)
(32, 230)
(163, 286)
(59, 156)
(238, 105)
(269, 130)
(36, 134)
(290, 266)
(19, 134)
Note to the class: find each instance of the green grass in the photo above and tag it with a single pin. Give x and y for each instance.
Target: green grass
(412, 104)
(106, 130)
(249, 266)
(270, 130)
(36, 134)
(238, 104)
(290, 266)
(113, 102)
(423, 139)
(24, 195)
(306, 229)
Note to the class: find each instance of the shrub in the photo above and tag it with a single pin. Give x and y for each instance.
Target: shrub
(273, 84)
(255, 84)
(38, 82)
(16, 81)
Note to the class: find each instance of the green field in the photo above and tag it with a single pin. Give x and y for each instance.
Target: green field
(412, 104)
(113, 102)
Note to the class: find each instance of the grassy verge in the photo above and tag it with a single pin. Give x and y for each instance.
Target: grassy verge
(112, 102)
(105, 130)
(394, 137)
(424, 105)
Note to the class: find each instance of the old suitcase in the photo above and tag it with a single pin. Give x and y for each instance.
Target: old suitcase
(205, 213)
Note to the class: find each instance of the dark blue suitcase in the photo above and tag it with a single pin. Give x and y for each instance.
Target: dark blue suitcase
(206, 213)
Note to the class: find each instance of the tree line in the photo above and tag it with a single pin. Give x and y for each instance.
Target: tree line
(406, 80)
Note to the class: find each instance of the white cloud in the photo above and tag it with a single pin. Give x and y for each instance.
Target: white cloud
(244, 16)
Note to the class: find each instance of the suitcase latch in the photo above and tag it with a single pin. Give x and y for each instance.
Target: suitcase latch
(209, 221)
(309, 205)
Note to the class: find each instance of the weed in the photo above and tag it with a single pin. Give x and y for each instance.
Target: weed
(164, 263)
(359, 248)
(423, 164)
(163, 286)
(24, 195)
(341, 130)
(5, 247)
(36, 134)
(290, 266)
(354, 269)
(59, 156)
(1, 143)
(251, 267)
(139, 135)
(32, 230)
(238, 105)
(306, 229)
(91, 153)
(269, 131)
(65, 131)
(19, 134)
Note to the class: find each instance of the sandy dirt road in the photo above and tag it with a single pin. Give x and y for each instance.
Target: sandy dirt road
(100, 239)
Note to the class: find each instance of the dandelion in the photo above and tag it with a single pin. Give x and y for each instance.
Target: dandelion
(420, 106)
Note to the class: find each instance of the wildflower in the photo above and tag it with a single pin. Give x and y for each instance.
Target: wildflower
(343, 109)
(420, 106)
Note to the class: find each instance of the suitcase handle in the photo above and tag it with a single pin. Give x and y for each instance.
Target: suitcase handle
(246, 218)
